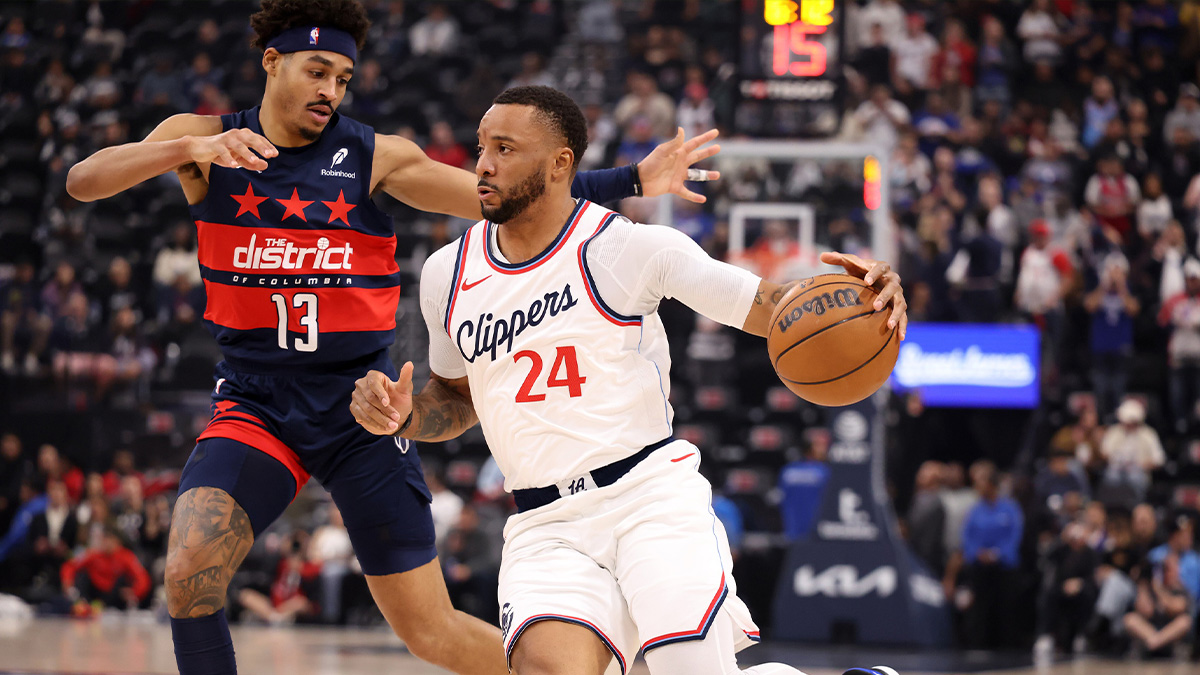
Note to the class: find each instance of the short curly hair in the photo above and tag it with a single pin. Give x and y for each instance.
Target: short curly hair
(556, 110)
(277, 16)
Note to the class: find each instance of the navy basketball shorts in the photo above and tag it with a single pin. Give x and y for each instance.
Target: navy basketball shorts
(269, 433)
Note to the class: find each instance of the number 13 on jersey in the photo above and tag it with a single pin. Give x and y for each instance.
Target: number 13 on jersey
(563, 373)
(307, 301)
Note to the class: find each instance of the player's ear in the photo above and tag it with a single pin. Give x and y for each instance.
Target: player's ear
(564, 164)
(271, 60)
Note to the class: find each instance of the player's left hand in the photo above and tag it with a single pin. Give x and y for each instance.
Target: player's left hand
(883, 278)
(665, 170)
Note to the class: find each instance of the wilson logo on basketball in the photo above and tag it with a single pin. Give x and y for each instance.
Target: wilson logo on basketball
(841, 298)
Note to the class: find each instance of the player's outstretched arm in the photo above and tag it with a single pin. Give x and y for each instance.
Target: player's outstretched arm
(179, 142)
(875, 272)
(404, 171)
(443, 410)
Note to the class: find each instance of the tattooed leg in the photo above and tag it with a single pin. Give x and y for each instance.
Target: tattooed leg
(210, 536)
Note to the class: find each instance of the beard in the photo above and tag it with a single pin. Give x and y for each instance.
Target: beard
(523, 194)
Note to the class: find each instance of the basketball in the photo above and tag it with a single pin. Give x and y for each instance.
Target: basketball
(828, 344)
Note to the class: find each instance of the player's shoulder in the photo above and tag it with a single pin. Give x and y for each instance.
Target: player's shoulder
(440, 263)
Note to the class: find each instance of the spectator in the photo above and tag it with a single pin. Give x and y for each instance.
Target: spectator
(639, 138)
(52, 536)
(15, 543)
(803, 486)
(956, 53)
(1098, 110)
(111, 575)
(990, 541)
(444, 148)
(56, 291)
(696, 112)
(436, 35)
(1162, 614)
(882, 117)
(997, 60)
(1181, 542)
(52, 465)
(1040, 32)
(1154, 211)
(1117, 576)
(1069, 594)
(1046, 274)
(887, 15)
(160, 86)
(331, 549)
(874, 60)
(645, 102)
(913, 53)
(1113, 308)
(927, 519)
(471, 562)
(533, 72)
(1131, 451)
(1181, 314)
(935, 125)
(446, 506)
(24, 329)
(291, 591)
(179, 258)
(1060, 476)
(1113, 195)
(14, 468)
(1185, 114)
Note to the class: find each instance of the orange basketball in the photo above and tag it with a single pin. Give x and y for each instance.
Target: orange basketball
(827, 342)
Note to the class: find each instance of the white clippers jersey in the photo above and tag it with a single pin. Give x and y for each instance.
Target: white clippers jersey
(561, 381)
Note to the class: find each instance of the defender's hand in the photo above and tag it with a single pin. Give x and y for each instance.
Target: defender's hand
(666, 168)
(882, 278)
(380, 405)
(232, 149)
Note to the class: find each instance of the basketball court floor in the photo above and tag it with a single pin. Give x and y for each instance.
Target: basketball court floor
(120, 646)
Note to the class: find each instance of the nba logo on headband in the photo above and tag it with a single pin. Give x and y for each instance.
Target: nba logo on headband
(313, 35)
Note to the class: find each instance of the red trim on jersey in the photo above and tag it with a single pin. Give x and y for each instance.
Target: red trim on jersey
(460, 272)
(229, 248)
(339, 310)
(259, 439)
(561, 242)
(593, 294)
(703, 620)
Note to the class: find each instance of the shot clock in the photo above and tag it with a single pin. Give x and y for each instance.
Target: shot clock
(790, 80)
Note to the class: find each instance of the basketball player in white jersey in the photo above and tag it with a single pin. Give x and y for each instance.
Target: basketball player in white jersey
(543, 328)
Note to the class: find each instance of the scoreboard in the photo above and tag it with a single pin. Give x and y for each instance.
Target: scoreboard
(790, 72)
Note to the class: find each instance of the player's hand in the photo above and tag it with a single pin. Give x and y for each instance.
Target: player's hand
(666, 168)
(380, 405)
(232, 149)
(883, 278)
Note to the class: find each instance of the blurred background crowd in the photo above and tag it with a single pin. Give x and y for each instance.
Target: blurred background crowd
(1044, 169)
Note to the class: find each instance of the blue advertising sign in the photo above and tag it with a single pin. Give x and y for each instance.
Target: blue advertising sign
(970, 365)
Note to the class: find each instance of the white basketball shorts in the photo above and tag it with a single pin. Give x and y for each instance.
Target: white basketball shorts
(643, 562)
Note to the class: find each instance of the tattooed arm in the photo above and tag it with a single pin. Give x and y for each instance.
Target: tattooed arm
(443, 410)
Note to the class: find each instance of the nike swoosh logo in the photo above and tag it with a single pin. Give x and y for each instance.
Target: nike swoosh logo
(467, 287)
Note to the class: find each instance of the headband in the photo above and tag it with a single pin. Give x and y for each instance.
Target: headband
(308, 38)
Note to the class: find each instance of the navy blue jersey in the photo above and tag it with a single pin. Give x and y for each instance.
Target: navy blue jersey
(298, 263)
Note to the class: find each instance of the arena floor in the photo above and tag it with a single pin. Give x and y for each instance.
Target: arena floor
(119, 646)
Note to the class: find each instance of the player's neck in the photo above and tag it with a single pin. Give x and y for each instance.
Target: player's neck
(530, 233)
(275, 130)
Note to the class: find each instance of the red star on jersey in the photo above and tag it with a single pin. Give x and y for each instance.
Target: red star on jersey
(340, 209)
(248, 203)
(294, 206)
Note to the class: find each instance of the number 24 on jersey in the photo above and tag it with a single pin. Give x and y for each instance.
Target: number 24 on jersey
(564, 372)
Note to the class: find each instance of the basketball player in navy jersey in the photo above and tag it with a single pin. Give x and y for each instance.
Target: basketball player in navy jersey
(302, 284)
